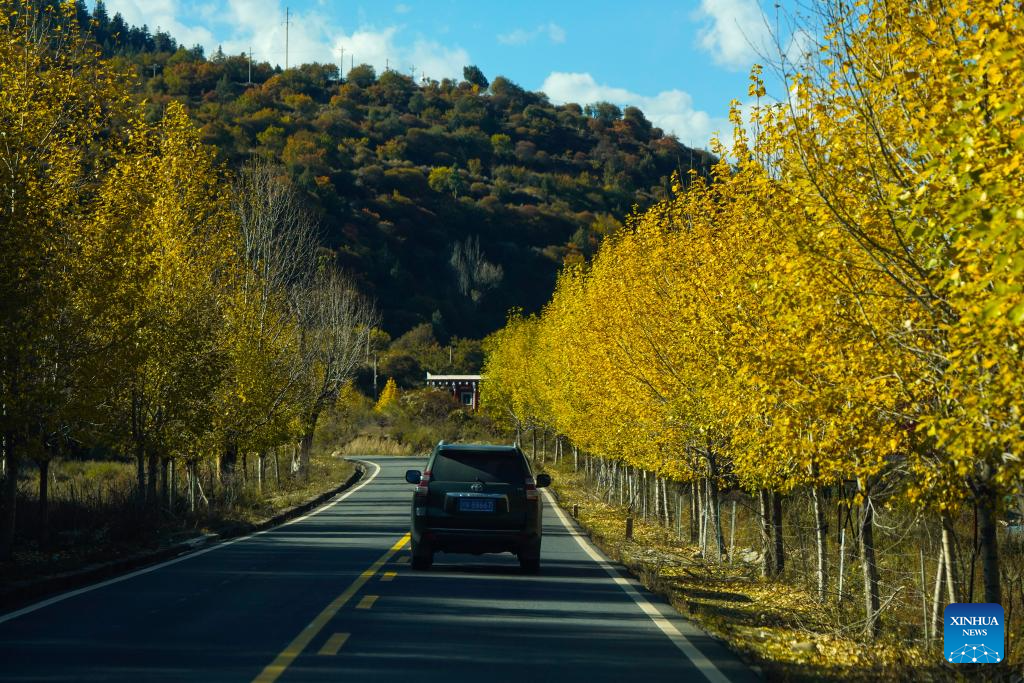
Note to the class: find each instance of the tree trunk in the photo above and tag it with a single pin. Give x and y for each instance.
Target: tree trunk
(228, 461)
(867, 557)
(644, 490)
(779, 556)
(940, 573)
(732, 533)
(657, 500)
(664, 502)
(277, 468)
(172, 484)
(305, 447)
(191, 487)
(989, 545)
(44, 503)
(949, 555)
(11, 445)
(619, 489)
(764, 504)
(679, 510)
(261, 459)
(151, 498)
(140, 473)
(165, 483)
(701, 514)
(714, 506)
(694, 522)
(821, 538)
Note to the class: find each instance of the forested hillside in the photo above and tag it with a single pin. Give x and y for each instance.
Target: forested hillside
(449, 202)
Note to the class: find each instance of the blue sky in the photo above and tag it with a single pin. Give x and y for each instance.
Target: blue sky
(681, 62)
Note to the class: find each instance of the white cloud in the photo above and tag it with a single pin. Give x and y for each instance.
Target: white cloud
(553, 32)
(402, 8)
(381, 50)
(671, 110)
(802, 45)
(734, 33)
(517, 37)
(162, 15)
(556, 34)
(436, 60)
(259, 25)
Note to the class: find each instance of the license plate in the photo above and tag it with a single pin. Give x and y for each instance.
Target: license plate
(476, 505)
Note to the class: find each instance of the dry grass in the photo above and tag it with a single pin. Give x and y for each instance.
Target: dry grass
(376, 445)
(326, 471)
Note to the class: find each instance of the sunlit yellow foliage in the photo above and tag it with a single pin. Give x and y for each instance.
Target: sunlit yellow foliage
(842, 300)
(387, 396)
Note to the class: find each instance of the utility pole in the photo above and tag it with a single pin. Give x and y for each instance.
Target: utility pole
(387, 65)
(250, 66)
(375, 377)
(341, 64)
(287, 23)
(154, 66)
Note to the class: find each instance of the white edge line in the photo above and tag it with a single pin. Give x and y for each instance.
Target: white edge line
(188, 554)
(703, 664)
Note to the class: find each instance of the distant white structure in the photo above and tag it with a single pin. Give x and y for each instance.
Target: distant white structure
(466, 388)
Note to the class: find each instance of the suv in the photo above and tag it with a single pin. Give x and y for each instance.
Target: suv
(476, 498)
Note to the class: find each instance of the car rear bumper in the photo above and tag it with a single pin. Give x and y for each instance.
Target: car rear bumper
(477, 541)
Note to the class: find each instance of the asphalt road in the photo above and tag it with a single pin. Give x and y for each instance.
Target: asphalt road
(331, 597)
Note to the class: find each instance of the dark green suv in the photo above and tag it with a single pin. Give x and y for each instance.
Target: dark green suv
(476, 498)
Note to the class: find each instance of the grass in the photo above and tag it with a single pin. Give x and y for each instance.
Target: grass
(326, 471)
(376, 445)
(774, 625)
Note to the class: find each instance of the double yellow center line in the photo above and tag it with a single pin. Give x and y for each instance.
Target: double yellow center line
(295, 648)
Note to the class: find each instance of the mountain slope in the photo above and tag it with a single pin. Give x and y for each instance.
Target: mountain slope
(450, 202)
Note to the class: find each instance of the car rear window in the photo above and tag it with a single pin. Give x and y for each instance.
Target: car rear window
(504, 467)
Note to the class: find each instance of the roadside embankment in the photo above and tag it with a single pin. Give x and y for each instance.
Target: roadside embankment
(776, 627)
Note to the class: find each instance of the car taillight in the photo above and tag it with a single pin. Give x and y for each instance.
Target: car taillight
(531, 489)
(424, 485)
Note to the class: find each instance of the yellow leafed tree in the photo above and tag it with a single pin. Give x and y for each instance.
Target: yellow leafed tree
(387, 396)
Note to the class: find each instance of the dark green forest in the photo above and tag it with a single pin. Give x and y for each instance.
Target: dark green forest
(450, 202)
